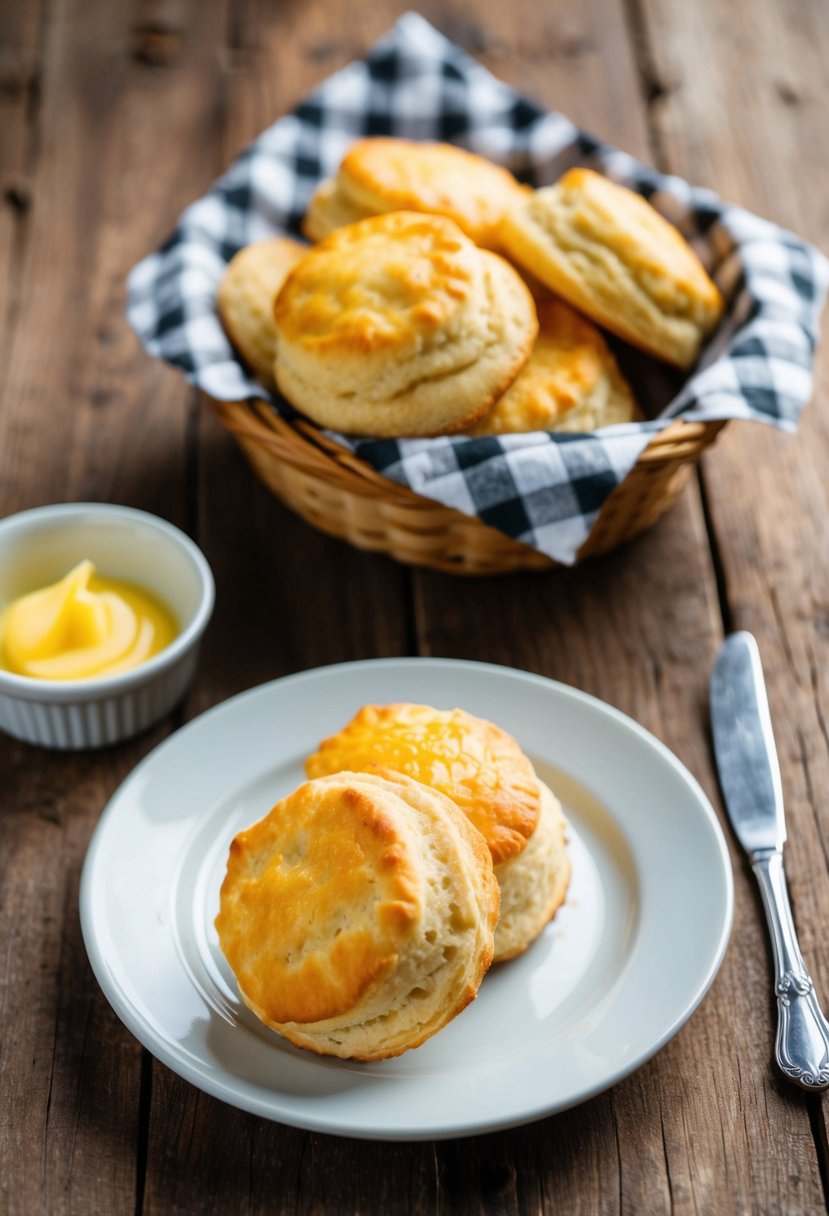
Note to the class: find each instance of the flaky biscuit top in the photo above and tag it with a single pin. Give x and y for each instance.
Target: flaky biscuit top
(386, 284)
(593, 210)
(319, 899)
(478, 765)
(391, 174)
(400, 325)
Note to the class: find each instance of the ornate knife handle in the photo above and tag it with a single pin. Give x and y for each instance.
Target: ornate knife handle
(802, 1044)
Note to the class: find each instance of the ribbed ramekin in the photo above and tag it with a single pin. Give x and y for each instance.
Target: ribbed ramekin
(37, 548)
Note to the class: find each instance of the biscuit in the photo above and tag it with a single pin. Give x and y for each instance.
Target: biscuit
(534, 883)
(611, 255)
(399, 325)
(384, 174)
(246, 297)
(485, 773)
(475, 763)
(570, 383)
(358, 915)
(329, 209)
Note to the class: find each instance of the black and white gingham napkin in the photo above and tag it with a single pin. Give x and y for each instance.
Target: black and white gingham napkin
(543, 488)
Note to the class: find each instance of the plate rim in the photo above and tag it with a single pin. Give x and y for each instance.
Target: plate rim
(141, 1029)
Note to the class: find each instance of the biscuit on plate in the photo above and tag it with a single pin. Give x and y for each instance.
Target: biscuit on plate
(358, 915)
(246, 296)
(383, 174)
(606, 251)
(571, 381)
(485, 773)
(533, 883)
(399, 325)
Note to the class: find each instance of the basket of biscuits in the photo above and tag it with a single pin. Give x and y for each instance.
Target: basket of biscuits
(495, 353)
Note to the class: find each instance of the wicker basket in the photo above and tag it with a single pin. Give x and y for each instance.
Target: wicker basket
(343, 496)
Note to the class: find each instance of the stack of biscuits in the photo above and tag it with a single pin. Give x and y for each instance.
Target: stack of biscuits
(442, 296)
(362, 913)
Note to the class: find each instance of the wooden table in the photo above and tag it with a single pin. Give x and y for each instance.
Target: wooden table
(113, 116)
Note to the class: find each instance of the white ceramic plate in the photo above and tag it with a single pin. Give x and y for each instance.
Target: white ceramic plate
(621, 968)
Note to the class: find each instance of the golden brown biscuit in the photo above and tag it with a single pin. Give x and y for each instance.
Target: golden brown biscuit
(483, 770)
(246, 297)
(534, 883)
(330, 209)
(478, 765)
(385, 174)
(611, 255)
(570, 383)
(399, 325)
(358, 915)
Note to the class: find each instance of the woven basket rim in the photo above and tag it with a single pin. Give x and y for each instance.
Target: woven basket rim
(341, 493)
(689, 430)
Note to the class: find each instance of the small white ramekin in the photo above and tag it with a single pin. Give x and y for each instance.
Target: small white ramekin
(36, 549)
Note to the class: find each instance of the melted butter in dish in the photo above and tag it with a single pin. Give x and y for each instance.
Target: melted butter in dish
(83, 627)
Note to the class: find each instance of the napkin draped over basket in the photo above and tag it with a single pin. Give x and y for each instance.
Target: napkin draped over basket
(477, 505)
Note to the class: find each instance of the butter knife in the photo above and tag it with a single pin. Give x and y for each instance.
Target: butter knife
(750, 780)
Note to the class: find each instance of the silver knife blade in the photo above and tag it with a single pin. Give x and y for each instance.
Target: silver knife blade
(744, 746)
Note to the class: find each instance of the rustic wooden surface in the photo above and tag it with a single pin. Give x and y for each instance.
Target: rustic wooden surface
(112, 117)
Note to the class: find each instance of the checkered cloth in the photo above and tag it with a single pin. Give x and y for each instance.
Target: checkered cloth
(542, 488)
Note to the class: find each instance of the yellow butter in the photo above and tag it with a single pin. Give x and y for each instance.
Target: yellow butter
(82, 628)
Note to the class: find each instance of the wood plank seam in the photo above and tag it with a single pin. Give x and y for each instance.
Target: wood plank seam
(654, 90)
(145, 1097)
(652, 86)
(716, 555)
(16, 186)
(724, 544)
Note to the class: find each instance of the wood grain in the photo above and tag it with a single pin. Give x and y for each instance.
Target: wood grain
(22, 30)
(768, 493)
(84, 415)
(289, 598)
(640, 630)
(113, 117)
